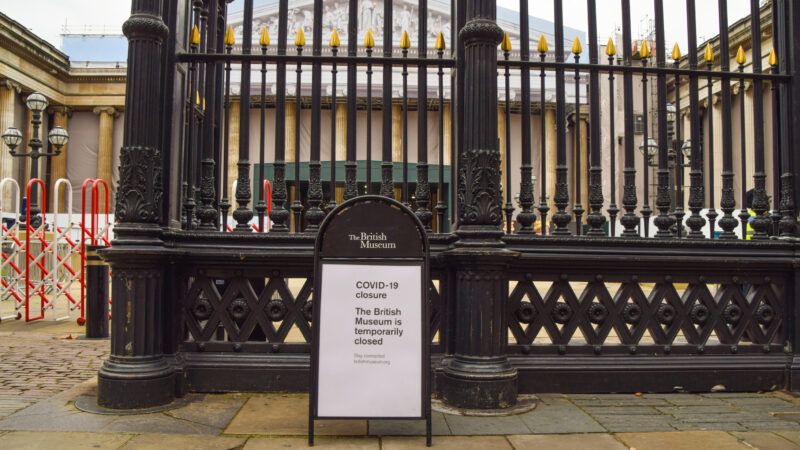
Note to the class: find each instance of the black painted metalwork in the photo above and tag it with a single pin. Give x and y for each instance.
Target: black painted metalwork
(712, 214)
(508, 209)
(577, 148)
(297, 203)
(727, 201)
(645, 54)
(232, 311)
(526, 217)
(334, 44)
(261, 205)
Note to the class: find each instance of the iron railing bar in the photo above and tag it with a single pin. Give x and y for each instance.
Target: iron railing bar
(243, 214)
(663, 221)
(727, 200)
(561, 218)
(359, 60)
(422, 193)
(595, 218)
(629, 201)
(279, 214)
(315, 197)
(525, 217)
(351, 165)
(387, 164)
(760, 201)
(696, 222)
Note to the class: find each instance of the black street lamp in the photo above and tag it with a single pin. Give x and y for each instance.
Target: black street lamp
(58, 137)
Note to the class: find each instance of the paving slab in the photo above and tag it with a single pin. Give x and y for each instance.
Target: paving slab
(631, 401)
(793, 436)
(623, 410)
(164, 441)
(766, 441)
(337, 443)
(486, 426)
(566, 442)
(215, 410)
(62, 440)
(701, 409)
(287, 415)
(685, 440)
(439, 427)
(447, 443)
(560, 416)
(772, 425)
(708, 426)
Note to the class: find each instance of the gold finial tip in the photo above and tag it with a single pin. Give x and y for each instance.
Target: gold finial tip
(644, 50)
(439, 41)
(334, 39)
(300, 38)
(741, 58)
(264, 39)
(542, 47)
(611, 49)
(577, 48)
(773, 58)
(405, 41)
(229, 38)
(676, 52)
(195, 35)
(709, 54)
(505, 44)
(369, 40)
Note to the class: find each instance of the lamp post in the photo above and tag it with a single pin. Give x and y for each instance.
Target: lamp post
(12, 137)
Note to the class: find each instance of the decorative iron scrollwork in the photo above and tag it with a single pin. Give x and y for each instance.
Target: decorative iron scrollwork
(699, 314)
(202, 309)
(666, 314)
(276, 310)
(239, 309)
(765, 314)
(597, 313)
(308, 311)
(525, 312)
(732, 314)
(562, 312)
(632, 313)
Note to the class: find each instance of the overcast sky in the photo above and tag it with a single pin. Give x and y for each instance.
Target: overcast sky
(47, 17)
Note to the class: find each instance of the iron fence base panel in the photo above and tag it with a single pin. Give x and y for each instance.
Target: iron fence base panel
(247, 373)
(794, 374)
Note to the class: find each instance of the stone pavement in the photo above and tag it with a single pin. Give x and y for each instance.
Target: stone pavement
(43, 372)
(38, 360)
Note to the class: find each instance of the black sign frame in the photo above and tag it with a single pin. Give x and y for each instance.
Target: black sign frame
(420, 260)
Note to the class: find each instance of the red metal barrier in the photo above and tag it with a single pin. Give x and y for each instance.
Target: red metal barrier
(33, 262)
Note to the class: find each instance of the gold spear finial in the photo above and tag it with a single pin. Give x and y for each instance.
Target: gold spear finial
(505, 45)
(439, 42)
(264, 39)
(300, 38)
(773, 58)
(577, 48)
(611, 50)
(334, 39)
(542, 47)
(195, 35)
(741, 59)
(405, 41)
(644, 50)
(229, 38)
(676, 52)
(709, 55)
(369, 40)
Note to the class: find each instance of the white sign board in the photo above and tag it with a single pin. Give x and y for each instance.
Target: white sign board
(370, 339)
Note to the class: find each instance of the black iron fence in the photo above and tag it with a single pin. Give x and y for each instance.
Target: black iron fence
(581, 302)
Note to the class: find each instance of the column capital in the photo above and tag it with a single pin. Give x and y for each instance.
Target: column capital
(11, 84)
(60, 109)
(110, 110)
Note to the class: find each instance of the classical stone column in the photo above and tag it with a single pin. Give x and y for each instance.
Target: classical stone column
(552, 156)
(397, 145)
(479, 374)
(136, 374)
(58, 169)
(105, 147)
(341, 144)
(233, 146)
(291, 126)
(8, 92)
(448, 139)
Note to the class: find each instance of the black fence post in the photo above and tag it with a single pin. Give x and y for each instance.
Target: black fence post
(479, 375)
(136, 374)
(96, 295)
